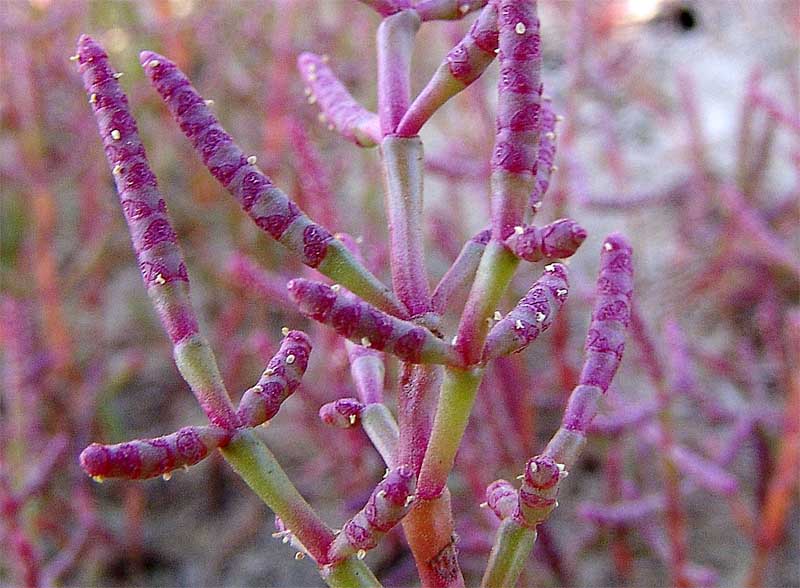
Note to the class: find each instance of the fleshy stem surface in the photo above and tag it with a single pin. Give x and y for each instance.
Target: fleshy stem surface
(519, 90)
(381, 428)
(402, 174)
(603, 353)
(267, 205)
(452, 415)
(463, 65)
(161, 262)
(510, 552)
(154, 240)
(256, 465)
(395, 47)
(491, 280)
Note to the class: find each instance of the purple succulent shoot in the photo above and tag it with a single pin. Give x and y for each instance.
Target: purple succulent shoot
(447, 9)
(387, 505)
(338, 108)
(463, 65)
(342, 413)
(280, 379)
(154, 240)
(270, 209)
(514, 160)
(539, 489)
(605, 340)
(365, 325)
(557, 240)
(501, 498)
(148, 458)
(532, 315)
(545, 159)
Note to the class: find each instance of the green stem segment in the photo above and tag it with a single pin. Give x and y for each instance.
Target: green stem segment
(350, 573)
(381, 428)
(256, 465)
(512, 548)
(491, 280)
(452, 415)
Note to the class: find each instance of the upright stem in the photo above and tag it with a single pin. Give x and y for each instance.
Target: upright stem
(429, 530)
(452, 415)
(402, 165)
(491, 280)
(395, 47)
(256, 465)
(512, 548)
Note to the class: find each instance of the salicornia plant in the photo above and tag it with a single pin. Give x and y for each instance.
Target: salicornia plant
(440, 373)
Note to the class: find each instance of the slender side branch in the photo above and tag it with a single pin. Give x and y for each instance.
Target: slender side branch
(266, 204)
(537, 495)
(461, 272)
(154, 240)
(362, 323)
(402, 174)
(280, 379)
(463, 65)
(395, 47)
(337, 105)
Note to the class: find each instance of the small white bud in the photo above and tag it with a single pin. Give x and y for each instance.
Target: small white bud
(361, 554)
(299, 555)
(153, 63)
(540, 316)
(160, 280)
(209, 102)
(550, 135)
(284, 331)
(520, 28)
(518, 325)
(365, 342)
(352, 419)
(93, 98)
(252, 160)
(117, 169)
(518, 230)
(166, 476)
(74, 57)
(290, 359)
(335, 287)
(550, 267)
(115, 134)
(483, 505)
(118, 75)
(497, 316)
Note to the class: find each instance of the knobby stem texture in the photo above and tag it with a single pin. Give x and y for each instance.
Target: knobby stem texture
(166, 278)
(372, 320)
